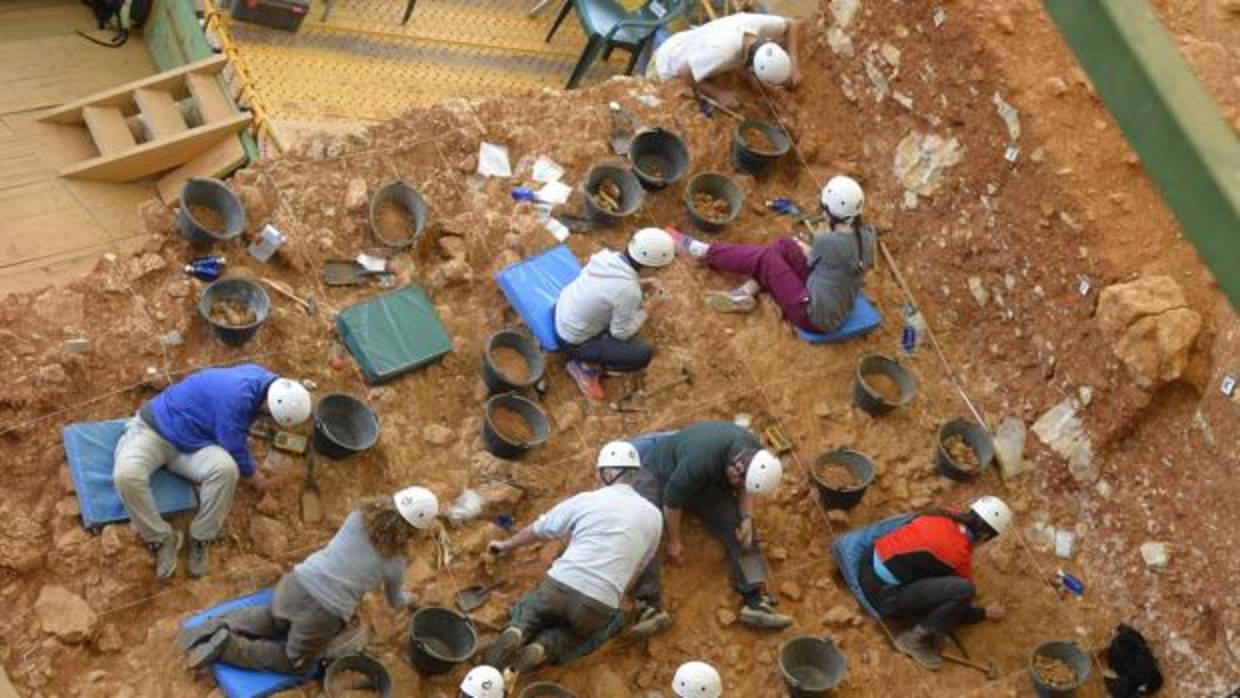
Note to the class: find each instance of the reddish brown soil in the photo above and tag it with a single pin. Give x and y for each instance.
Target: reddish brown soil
(757, 140)
(884, 385)
(961, 452)
(1056, 673)
(710, 207)
(835, 476)
(511, 364)
(207, 217)
(394, 221)
(511, 425)
(232, 313)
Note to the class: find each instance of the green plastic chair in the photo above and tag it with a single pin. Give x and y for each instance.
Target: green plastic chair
(610, 26)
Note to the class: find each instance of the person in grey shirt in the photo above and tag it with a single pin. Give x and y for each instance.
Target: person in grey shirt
(814, 285)
(314, 601)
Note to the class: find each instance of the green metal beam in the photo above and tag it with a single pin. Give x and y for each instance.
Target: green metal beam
(1189, 152)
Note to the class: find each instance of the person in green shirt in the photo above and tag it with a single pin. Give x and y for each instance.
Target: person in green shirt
(713, 470)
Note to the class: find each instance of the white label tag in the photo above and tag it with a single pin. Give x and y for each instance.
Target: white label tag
(1083, 287)
(657, 9)
(1011, 153)
(1229, 385)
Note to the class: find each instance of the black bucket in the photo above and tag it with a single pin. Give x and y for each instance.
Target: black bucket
(858, 465)
(659, 158)
(630, 193)
(502, 445)
(407, 198)
(811, 666)
(752, 160)
(546, 689)
(718, 186)
(439, 640)
(1069, 653)
(872, 401)
(244, 291)
(978, 439)
(377, 675)
(213, 194)
(343, 425)
(526, 346)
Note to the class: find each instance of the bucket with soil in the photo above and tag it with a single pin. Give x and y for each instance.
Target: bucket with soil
(842, 477)
(1058, 669)
(439, 640)
(811, 666)
(512, 425)
(235, 309)
(659, 158)
(612, 193)
(546, 689)
(712, 200)
(209, 212)
(511, 360)
(397, 215)
(964, 449)
(344, 425)
(357, 676)
(756, 146)
(881, 384)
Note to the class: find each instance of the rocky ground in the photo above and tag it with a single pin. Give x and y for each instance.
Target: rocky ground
(1131, 448)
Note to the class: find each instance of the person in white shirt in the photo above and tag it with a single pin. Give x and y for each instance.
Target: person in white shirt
(765, 44)
(613, 533)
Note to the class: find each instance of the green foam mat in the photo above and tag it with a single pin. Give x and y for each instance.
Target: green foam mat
(393, 334)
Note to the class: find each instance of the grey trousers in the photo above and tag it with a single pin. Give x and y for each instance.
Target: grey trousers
(141, 451)
(567, 623)
(255, 633)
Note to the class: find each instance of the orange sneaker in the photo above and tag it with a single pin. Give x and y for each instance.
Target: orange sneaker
(588, 380)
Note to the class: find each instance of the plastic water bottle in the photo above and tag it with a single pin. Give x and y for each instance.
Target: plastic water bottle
(207, 268)
(914, 328)
(1072, 584)
(269, 240)
(783, 205)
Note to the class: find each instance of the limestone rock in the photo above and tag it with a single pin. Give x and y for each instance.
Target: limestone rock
(1156, 348)
(839, 616)
(1155, 554)
(922, 159)
(65, 614)
(1120, 305)
(791, 590)
(499, 496)
(725, 616)
(1061, 429)
(355, 197)
(437, 435)
(268, 536)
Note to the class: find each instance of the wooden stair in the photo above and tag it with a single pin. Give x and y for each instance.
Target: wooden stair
(109, 116)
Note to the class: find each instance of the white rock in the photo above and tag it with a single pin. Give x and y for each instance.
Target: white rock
(1155, 554)
(1061, 429)
(844, 11)
(978, 289)
(891, 54)
(841, 44)
(1009, 440)
(922, 159)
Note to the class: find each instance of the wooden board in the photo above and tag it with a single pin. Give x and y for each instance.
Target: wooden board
(157, 155)
(172, 81)
(213, 103)
(42, 72)
(217, 161)
(163, 116)
(6, 687)
(108, 129)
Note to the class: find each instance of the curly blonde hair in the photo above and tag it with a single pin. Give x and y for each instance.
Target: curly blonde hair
(387, 529)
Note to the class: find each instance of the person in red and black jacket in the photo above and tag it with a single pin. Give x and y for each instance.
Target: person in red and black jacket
(922, 570)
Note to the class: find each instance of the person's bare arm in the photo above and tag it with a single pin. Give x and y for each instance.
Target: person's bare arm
(524, 537)
(675, 548)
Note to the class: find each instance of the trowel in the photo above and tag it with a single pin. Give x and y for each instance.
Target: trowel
(311, 505)
(474, 595)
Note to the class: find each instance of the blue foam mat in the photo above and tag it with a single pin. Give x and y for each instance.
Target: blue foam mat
(532, 286)
(247, 683)
(90, 452)
(862, 320)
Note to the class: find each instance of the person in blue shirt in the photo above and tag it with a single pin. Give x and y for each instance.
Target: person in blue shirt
(198, 429)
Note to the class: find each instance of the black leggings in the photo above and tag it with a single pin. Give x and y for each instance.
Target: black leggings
(937, 604)
(620, 355)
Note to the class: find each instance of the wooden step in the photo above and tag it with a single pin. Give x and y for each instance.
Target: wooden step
(217, 161)
(171, 81)
(108, 129)
(163, 116)
(213, 103)
(157, 155)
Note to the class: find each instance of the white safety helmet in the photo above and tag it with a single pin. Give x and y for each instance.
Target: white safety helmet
(697, 680)
(771, 64)
(764, 472)
(994, 512)
(619, 454)
(289, 402)
(483, 682)
(843, 198)
(652, 247)
(418, 505)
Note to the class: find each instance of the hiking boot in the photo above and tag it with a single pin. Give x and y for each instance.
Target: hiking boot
(166, 555)
(501, 650)
(189, 638)
(351, 640)
(529, 658)
(207, 651)
(762, 615)
(919, 644)
(198, 559)
(734, 301)
(588, 380)
(651, 621)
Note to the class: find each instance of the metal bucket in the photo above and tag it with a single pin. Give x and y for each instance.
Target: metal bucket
(811, 666)
(978, 439)
(719, 186)
(440, 639)
(1068, 652)
(749, 159)
(630, 193)
(502, 445)
(344, 425)
(858, 465)
(248, 293)
(526, 346)
(213, 194)
(377, 674)
(407, 198)
(869, 399)
(659, 158)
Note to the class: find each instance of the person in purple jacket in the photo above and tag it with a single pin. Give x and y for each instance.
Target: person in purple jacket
(198, 429)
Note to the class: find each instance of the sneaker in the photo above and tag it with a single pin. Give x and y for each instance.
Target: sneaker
(351, 640)
(651, 621)
(198, 558)
(918, 644)
(764, 616)
(588, 380)
(189, 638)
(529, 658)
(734, 301)
(166, 555)
(207, 651)
(502, 649)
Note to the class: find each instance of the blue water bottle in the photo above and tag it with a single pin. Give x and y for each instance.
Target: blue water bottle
(207, 268)
(1072, 584)
(914, 326)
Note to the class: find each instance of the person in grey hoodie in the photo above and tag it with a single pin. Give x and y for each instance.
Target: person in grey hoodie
(598, 314)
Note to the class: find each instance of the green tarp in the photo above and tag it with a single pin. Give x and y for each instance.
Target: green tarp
(393, 334)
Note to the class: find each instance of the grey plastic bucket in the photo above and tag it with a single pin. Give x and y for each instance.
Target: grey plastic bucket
(978, 439)
(630, 193)
(1068, 652)
(343, 425)
(870, 400)
(248, 293)
(659, 157)
(503, 445)
(213, 194)
(407, 198)
(439, 640)
(858, 464)
(380, 679)
(546, 689)
(749, 159)
(719, 186)
(524, 345)
(811, 666)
